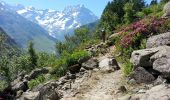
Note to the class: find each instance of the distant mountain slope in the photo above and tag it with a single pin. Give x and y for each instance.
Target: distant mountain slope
(58, 23)
(23, 30)
(8, 47)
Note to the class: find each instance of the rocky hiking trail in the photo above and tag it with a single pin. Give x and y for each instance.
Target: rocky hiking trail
(100, 85)
(101, 77)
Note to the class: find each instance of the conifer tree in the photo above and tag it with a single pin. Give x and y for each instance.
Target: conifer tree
(32, 55)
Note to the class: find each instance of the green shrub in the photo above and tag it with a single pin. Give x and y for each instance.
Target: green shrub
(127, 68)
(34, 82)
(3, 85)
(67, 60)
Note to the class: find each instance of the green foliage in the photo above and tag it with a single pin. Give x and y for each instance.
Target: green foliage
(34, 82)
(3, 85)
(127, 68)
(66, 60)
(32, 55)
(5, 69)
(129, 13)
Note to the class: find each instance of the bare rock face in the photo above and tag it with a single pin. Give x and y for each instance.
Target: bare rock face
(158, 40)
(142, 76)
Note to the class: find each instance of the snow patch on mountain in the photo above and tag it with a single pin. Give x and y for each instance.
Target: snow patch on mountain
(58, 23)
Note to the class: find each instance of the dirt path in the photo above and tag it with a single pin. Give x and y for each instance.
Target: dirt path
(98, 86)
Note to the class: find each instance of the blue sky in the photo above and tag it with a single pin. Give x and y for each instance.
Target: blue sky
(95, 6)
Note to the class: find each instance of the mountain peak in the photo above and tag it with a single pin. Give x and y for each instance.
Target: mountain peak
(75, 8)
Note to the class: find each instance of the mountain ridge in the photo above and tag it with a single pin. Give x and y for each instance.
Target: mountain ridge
(23, 30)
(58, 23)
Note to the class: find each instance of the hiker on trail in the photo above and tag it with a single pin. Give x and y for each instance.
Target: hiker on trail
(103, 35)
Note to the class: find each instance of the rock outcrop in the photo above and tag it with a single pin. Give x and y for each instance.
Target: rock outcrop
(158, 40)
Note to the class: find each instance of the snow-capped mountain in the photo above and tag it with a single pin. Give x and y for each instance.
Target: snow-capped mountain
(58, 23)
(21, 30)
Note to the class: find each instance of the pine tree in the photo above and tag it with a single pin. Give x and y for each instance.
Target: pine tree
(32, 55)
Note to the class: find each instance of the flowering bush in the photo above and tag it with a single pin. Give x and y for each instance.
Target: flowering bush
(141, 29)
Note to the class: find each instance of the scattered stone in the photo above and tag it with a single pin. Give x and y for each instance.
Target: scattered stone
(159, 81)
(90, 64)
(142, 76)
(122, 89)
(75, 68)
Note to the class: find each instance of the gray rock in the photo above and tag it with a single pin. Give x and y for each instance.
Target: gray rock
(166, 10)
(20, 86)
(109, 63)
(30, 96)
(159, 92)
(146, 57)
(75, 68)
(122, 89)
(90, 64)
(158, 40)
(142, 57)
(159, 81)
(142, 76)
(162, 65)
(36, 73)
(48, 91)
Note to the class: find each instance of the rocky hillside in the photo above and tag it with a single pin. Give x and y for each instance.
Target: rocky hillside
(8, 46)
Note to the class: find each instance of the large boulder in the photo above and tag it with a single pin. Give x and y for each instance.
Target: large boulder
(162, 65)
(142, 76)
(90, 64)
(36, 73)
(158, 40)
(23, 85)
(142, 57)
(48, 91)
(159, 92)
(146, 57)
(109, 63)
(166, 10)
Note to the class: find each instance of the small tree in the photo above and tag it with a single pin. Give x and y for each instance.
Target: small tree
(32, 55)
